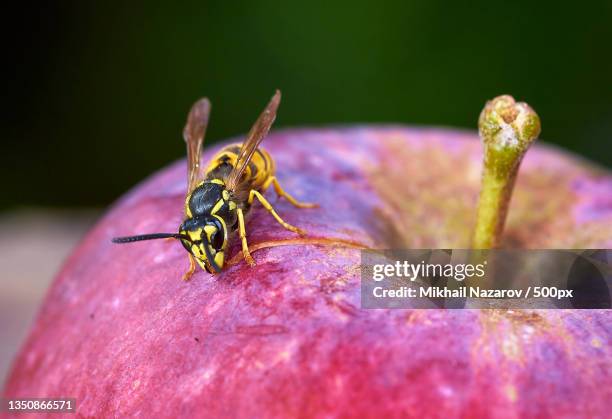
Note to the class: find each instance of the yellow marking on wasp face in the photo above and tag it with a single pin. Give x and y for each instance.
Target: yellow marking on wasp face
(217, 206)
(225, 195)
(209, 230)
(195, 250)
(217, 181)
(219, 259)
(232, 205)
(195, 235)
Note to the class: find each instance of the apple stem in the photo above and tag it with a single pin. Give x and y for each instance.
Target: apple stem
(507, 129)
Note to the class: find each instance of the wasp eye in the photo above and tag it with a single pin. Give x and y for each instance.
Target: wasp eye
(216, 240)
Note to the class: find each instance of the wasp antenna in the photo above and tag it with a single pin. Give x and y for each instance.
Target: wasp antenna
(154, 236)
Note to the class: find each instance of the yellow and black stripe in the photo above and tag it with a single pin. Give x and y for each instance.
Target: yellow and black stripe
(259, 169)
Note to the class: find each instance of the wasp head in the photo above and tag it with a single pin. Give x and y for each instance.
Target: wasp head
(205, 237)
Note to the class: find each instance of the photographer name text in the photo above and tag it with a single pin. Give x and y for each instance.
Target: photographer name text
(471, 292)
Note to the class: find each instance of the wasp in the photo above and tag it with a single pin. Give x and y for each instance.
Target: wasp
(219, 197)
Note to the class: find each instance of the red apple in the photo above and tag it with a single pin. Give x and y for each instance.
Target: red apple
(124, 335)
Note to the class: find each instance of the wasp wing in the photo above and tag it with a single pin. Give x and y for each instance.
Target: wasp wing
(194, 132)
(254, 138)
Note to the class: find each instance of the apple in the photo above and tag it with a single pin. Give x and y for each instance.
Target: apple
(124, 335)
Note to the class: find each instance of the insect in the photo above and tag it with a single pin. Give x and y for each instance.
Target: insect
(219, 197)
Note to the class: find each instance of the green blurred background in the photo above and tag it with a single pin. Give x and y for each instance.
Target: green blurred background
(98, 91)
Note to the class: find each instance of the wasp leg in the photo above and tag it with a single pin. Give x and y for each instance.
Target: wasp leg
(281, 192)
(242, 232)
(192, 266)
(254, 194)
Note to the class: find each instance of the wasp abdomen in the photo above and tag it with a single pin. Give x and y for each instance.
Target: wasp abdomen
(259, 168)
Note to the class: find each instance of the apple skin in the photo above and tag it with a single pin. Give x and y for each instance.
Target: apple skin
(123, 334)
